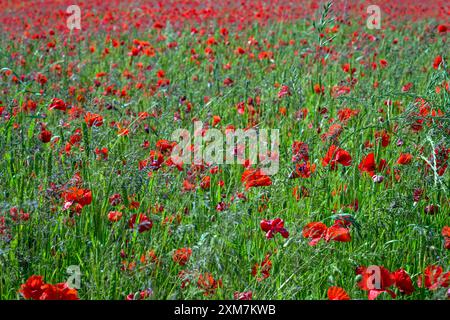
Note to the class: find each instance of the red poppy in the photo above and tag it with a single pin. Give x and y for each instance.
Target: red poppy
(368, 164)
(188, 186)
(384, 137)
(247, 295)
(376, 280)
(35, 288)
(272, 227)
(45, 136)
(144, 223)
(208, 284)
(262, 270)
(115, 199)
(114, 216)
(346, 114)
(181, 256)
(59, 291)
(337, 233)
(255, 178)
(337, 293)
(405, 158)
(57, 104)
(319, 89)
(403, 281)
(303, 170)
(442, 28)
(205, 183)
(336, 155)
(164, 146)
(407, 87)
(446, 234)
(216, 120)
(32, 288)
(78, 196)
(300, 151)
(433, 278)
(93, 119)
(437, 61)
(314, 231)
(284, 91)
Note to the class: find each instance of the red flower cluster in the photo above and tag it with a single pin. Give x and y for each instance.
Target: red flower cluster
(36, 289)
(77, 197)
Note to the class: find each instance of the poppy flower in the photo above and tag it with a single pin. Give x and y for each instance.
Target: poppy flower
(407, 87)
(181, 256)
(272, 227)
(255, 178)
(403, 281)
(60, 291)
(262, 270)
(405, 158)
(114, 216)
(32, 288)
(36, 289)
(188, 186)
(57, 104)
(300, 151)
(442, 28)
(318, 89)
(434, 278)
(369, 165)
(336, 155)
(247, 295)
(303, 170)
(93, 119)
(45, 136)
(337, 293)
(314, 231)
(144, 223)
(346, 114)
(208, 284)
(79, 196)
(115, 199)
(376, 280)
(284, 91)
(337, 233)
(437, 61)
(384, 137)
(446, 234)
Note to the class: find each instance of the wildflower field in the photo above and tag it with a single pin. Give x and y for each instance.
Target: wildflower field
(95, 202)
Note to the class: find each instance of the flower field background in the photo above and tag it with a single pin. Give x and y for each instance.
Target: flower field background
(87, 182)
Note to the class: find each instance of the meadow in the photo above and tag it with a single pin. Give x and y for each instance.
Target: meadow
(92, 205)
